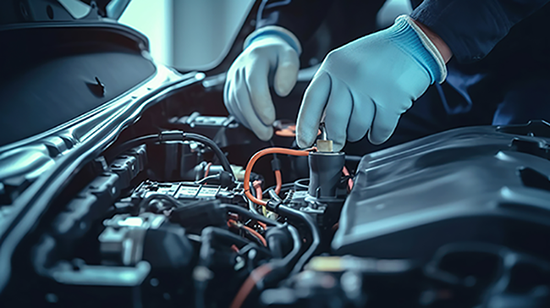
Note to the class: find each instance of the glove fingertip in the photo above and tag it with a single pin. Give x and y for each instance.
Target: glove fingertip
(337, 146)
(267, 114)
(284, 89)
(264, 133)
(302, 141)
(377, 139)
(285, 80)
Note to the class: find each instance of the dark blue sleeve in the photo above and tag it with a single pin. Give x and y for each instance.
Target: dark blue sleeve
(472, 28)
(301, 17)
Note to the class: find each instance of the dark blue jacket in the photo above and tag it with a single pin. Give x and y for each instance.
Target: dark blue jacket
(497, 45)
(471, 28)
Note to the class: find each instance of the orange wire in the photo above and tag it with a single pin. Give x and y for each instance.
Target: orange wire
(350, 180)
(258, 186)
(256, 234)
(207, 169)
(257, 156)
(264, 226)
(232, 222)
(255, 276)
(279, 181)
(259, 192)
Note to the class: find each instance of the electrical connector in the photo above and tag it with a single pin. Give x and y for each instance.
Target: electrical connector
(273, 205)
(198, 215)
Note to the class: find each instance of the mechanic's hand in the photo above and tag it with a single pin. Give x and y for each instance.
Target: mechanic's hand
(367, 84)
(246, 93)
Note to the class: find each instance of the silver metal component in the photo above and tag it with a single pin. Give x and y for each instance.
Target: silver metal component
(104, 275)
(122, 240)
(122, 246)
(143, 221)
(239, 263)
(323, 131)
(323, 144)
(202, 273)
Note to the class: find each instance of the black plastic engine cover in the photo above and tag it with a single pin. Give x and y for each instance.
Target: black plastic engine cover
(485, 184)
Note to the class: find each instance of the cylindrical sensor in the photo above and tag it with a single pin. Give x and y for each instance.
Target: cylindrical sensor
(325, 172)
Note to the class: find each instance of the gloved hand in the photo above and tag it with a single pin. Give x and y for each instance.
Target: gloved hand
(367, 84)
(246, 92)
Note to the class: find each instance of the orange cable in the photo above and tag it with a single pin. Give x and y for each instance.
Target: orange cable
(350, 180)
(257, 156)
(264, 226)
(279, 181)
(232, 222)
(259, 192)
(207, 169)
(256, 234)
(255, 276)
(258, 186)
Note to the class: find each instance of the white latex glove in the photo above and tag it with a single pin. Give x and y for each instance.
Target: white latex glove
(367, 84)
(246, 93)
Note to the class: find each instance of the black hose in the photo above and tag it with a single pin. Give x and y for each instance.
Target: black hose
(207, 141)
(258, 240)
(210, 233)
(273, 195)
(289, 259)
(281, 267)
(296, 245)
(275, 247)
(300, 185)
(207, 257)
(316, 238)
(177, 136)
(132, 143)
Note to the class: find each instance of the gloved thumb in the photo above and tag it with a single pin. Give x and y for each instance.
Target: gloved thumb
(287, 72)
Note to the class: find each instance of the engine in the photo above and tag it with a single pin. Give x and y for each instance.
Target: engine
(457, 219)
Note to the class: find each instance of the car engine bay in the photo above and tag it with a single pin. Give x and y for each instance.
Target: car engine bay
(165, 219)
(138, 189)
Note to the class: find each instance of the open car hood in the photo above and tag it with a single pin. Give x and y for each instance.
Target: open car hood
(60, 10)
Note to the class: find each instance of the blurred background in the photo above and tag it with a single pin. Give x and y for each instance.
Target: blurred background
(197, 34)
(188, 34)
